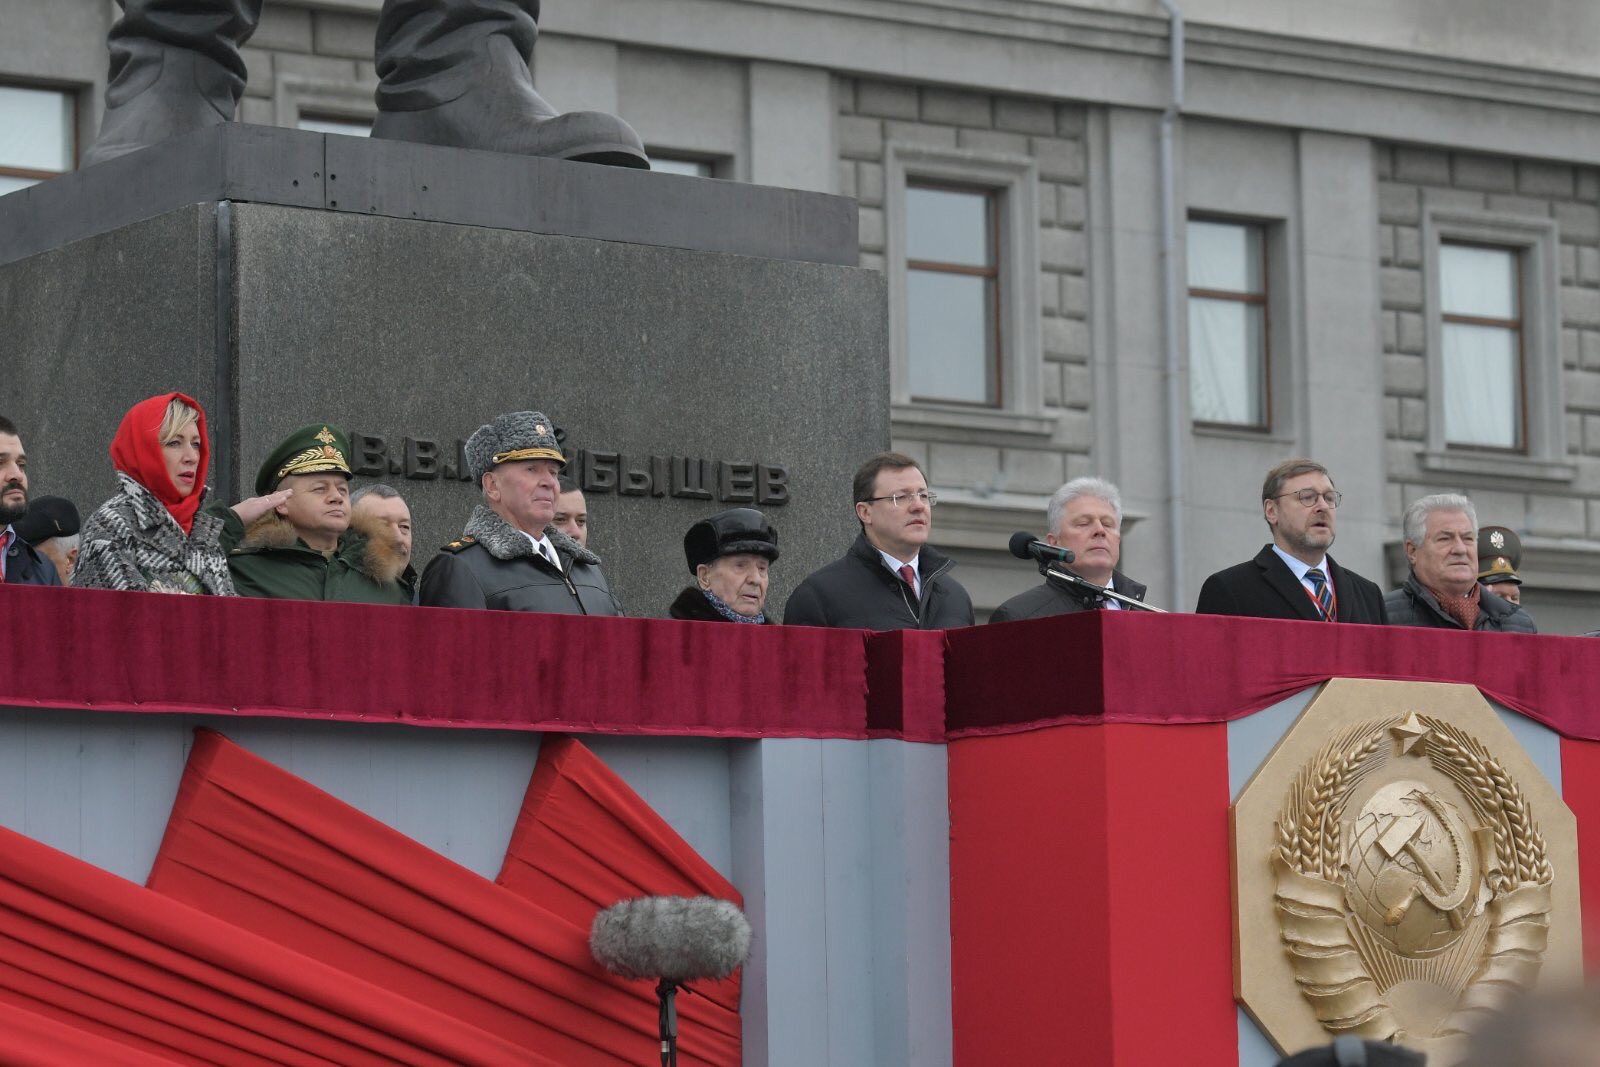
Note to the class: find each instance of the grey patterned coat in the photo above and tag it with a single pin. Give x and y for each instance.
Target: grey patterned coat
(132, 542)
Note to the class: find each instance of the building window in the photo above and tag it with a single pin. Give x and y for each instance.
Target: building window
(1492, 326)
(961, 259)
(670, 164)
(36, 136)
(953, 294)
(1480, 317)
(350, 127)
(1228, 347)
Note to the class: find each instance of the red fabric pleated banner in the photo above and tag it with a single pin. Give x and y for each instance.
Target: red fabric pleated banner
(86, 951)
(250, 843)
(584, 840)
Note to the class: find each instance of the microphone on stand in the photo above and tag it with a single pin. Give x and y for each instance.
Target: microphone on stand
(1025, 546)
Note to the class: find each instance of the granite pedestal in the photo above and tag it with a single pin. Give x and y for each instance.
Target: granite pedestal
(702, 344)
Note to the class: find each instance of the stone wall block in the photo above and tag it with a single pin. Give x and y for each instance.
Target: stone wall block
(1556, 516)
(254, 109)
(889, 100)
(1570, 348)
(1074, 295)
(1454, 199)
(917, 450)
(860, 138)
(1029, 470)
(1050, 383)
(1399, 203)
(1391, 416)
(1574, 434)
(335, 33)
(1071, 119)
(846, 179)
(1063, 249)
(1383, 161)
(1589, 266)
(962, 465)
(919, 133)
(1407, 246)
(871, 228)
(1519, 205)
(1491, 174)
(872, 261)
(1386, 246)
(1025, 116)
(1427, 166)
(1591, 434)
(1545, 179)
(1401, 288)
(1045, 197)
(284, 28)
(1404, 376)
(1579, 222)
(1582, 390)
(1072, 207)
(1049, 293)
(1075, 431)
(1066, 338)
(869, 183)
(1580, 307)
(1588, 184)
(1077, 385)
(1569, 264)
(957, 107)
(1059, 159)
(318, 68)
(1589, 343)
(1391, 331)
(998, 142)
(1413, 419)
(259, 63)
(1412, 337)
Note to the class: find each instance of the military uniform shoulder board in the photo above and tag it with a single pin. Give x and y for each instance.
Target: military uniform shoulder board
(460, 543)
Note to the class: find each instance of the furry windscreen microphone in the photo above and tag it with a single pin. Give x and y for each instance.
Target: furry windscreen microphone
(676, 938)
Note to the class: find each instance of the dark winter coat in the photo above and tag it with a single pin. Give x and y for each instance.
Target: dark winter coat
(494, 565)
(692, 604)
(859, 592)
(1266, 588)
(270, 560)
(26, 565)
(1052, 598)
(1412, 605)
(132, 542)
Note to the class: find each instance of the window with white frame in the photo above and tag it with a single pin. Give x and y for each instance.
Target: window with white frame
(953, 294)
(36, 136)
(1480, 334)
(1492, 320)
(1229, 356)
(962, 265)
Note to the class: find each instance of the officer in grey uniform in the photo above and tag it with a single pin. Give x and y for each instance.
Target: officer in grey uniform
(451, 72)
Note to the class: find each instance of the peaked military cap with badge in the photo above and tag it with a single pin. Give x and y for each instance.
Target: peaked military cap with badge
(47, 517)
(314, 449)
(1499, 555)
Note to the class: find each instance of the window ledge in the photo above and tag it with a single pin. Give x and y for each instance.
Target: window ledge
(1231, 433)
(939, 416)
(1544, 470)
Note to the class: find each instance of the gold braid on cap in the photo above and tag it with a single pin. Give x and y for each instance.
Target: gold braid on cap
(530, 453)
(313, 461)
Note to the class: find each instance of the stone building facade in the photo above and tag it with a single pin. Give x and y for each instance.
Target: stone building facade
(1353, 140)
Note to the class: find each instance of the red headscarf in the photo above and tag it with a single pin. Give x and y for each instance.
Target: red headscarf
(138, 453)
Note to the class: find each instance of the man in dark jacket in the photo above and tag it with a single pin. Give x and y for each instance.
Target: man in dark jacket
(890, 579)
(510, 557)
(1085, 515)
(295, 539)
(1442, 590)
(20, 562)
(1294, 577)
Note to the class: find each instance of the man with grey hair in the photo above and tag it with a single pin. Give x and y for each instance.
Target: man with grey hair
(511, 557)
(1442, 589)
(381, 509)
(1294, 577)
(1085, 515)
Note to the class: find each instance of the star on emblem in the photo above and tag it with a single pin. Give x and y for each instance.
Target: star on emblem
(326, 437)
(1409, 735)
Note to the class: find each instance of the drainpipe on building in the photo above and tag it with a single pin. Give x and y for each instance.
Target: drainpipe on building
(1170, 306)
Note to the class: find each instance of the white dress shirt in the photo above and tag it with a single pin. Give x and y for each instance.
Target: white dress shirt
(1299, 568)
(894, 565)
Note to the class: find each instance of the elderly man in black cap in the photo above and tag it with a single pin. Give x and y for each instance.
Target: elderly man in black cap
(511, 557)
(295, 540)
(51, 527)
(20, 562)
(728, 554)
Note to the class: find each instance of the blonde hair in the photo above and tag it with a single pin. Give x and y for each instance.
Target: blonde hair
(179, 417)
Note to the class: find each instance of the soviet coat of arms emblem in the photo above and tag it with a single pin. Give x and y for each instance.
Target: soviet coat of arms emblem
(1425, 906)
(1403, 848)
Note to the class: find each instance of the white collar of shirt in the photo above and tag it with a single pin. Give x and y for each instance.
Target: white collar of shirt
(1299, 567)
(894, 565)
(542, 545)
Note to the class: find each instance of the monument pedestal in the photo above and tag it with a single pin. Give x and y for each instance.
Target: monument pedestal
(702, 344)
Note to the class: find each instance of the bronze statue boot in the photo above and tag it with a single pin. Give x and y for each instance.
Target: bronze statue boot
(456, 74)
(175, 68)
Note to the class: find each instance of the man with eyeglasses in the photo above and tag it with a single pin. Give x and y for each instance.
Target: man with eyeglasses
(1294, 577)
(890, 579)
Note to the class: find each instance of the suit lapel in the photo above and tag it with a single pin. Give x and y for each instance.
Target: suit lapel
(1282, 579)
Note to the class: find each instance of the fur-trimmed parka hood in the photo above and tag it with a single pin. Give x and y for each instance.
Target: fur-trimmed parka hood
(504, 541)
(365, 546)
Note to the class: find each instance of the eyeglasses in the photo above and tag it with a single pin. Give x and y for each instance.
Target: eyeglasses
(922, 496)
(1309, 497)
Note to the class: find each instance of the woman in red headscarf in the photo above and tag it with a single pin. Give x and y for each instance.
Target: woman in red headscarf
(153, 536)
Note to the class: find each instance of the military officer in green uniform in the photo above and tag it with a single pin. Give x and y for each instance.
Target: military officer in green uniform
(1499, 556)
(295, 540)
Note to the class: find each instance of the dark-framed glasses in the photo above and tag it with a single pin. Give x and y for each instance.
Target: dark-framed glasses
(921, 496)
(1309, 497)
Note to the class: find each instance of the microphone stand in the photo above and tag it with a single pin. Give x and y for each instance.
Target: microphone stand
(667, 991)
(1065, 579)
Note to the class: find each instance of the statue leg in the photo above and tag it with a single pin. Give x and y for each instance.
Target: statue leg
(455, 72)
(175, 67)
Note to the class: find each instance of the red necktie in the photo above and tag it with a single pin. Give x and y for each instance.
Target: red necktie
(909, 576)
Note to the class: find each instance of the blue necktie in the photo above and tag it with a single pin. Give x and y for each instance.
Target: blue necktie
(1323, 594)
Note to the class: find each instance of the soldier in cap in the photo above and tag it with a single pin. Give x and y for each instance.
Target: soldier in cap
(511, 557)
(728, 554)
(1499, 556)
(51, 527)
(296, 539)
